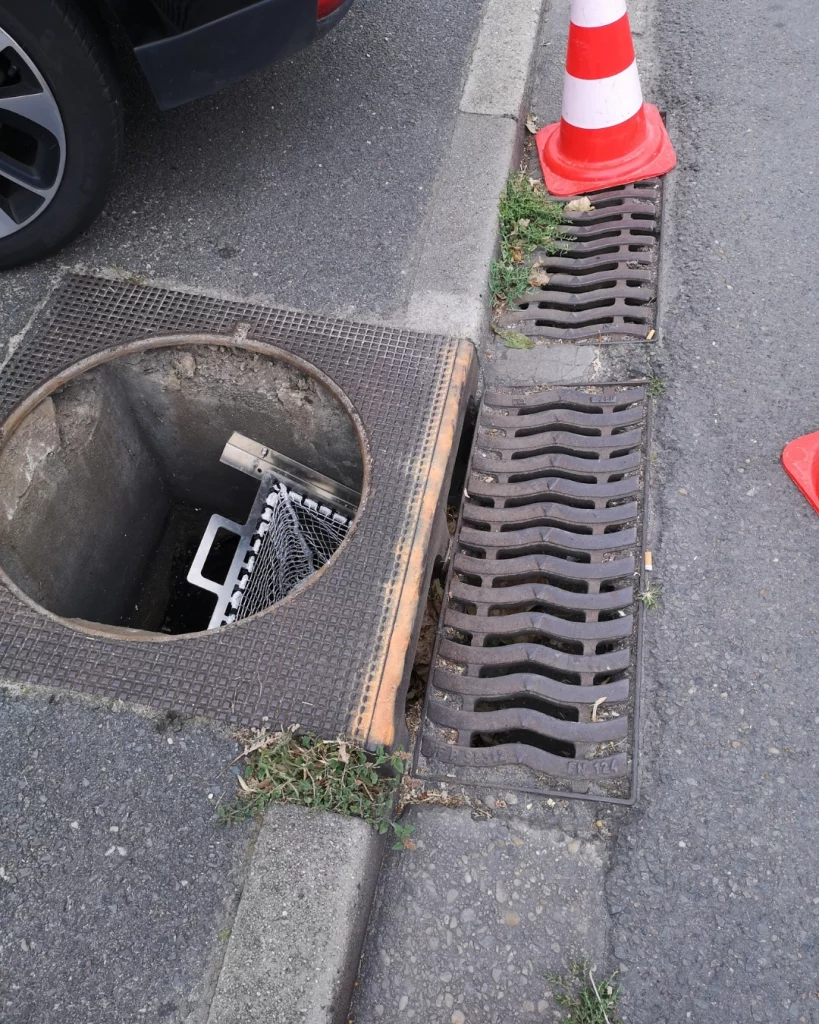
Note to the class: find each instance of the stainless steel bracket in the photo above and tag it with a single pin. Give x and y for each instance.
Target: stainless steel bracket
(256, 459)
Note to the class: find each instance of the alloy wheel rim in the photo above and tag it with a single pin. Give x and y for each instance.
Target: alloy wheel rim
(32, 139)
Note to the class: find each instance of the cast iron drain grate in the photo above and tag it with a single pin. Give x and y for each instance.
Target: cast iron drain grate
(603, 285)
(335, 657)
(533, 684)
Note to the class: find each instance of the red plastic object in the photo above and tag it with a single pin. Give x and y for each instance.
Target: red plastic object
(607, 135)
(801, 461)
(326, 7)
(578, 160)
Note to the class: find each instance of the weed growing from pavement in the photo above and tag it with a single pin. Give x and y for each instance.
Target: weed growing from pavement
(650, 596)
(528, 221)
(402, 836)
(513, 339)
(326, 775)
(587, 1000)
(656, 387)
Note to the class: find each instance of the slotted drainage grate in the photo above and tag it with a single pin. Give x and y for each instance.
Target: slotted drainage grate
(604, 284)
(533, 681)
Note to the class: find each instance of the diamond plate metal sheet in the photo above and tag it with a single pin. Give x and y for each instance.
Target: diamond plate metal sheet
(336, 657)
(533, 683)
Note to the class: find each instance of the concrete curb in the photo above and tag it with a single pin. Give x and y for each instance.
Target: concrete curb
(449, 293)
(294, 949)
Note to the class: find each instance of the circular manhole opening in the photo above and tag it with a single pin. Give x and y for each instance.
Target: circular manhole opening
(112, 476)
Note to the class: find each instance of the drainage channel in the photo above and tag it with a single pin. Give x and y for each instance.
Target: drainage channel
(603, 283)
(225, 509)
(534, 679)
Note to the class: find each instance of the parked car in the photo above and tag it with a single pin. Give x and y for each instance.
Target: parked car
(60, 105)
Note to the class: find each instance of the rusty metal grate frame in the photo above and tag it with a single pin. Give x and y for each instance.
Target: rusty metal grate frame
(343, 647)
(615, 248)
(508, 776)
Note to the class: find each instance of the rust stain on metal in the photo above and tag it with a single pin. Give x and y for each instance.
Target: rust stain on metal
(382, 706)
(535, 665)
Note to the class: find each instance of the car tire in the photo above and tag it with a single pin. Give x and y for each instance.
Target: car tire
(58, 51)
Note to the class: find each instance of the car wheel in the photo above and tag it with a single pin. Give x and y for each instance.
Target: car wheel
(60, 126)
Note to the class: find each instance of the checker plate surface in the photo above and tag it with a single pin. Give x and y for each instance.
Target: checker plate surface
(324, 659)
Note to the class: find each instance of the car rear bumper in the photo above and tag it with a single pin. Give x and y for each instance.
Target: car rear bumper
(333, 19)
(203, 60)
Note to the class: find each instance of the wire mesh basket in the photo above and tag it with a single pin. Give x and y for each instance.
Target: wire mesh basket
(295, 537)
(288, 536)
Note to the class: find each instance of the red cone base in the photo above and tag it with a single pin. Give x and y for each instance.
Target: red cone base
(801, 462)
(575, 160)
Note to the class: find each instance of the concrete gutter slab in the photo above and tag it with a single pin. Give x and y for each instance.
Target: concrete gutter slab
(451, 284)
(450, 290)
(467, 925)
(294, 950)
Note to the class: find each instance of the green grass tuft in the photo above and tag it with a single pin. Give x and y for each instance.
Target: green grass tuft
(528, 221)
(650, 597)
(513, 339)
(507, 280)
(588, 1001)
(326, 775)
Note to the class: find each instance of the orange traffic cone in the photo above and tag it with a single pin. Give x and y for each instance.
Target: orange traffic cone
(607, 135)
(801, 461)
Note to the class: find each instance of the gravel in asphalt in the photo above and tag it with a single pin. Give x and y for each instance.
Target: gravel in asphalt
(467, 925)
(713, 886)
(117, 886)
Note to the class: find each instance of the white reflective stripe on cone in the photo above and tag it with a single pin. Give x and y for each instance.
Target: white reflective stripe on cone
(594, 13)
(602, 102)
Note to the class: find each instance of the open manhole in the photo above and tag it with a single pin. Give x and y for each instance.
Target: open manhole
(603, 282)
(533, 682)
(222, 508)
(117, 509)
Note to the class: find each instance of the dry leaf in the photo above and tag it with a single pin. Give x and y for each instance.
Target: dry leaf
(524, 223)
(265, 741)
(343, 753)
(517, 254)
(539, 278)
(581, 205)
(244, 785)
(531, 124)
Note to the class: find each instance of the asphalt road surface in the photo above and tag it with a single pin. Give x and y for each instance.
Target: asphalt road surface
(308, 184)
(712, 893)
(316, 178)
